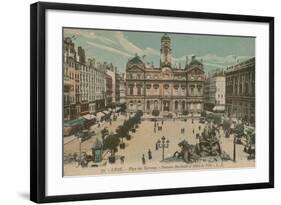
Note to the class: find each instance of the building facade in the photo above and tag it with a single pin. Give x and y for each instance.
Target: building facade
(117, 88)
(110, 71)
(167, 89)
(214, 93)
(91, 84)
(84, 81)
(240, 91)
(109, 91)
(122, 89)
(71, 81)
(100, 86)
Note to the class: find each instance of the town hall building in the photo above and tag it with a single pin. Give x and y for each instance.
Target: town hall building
(167, 88)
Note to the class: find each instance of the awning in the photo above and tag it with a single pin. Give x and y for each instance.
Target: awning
(99, 114)
(218, 108)
(105, 112)
(89, 117)
(74, 122)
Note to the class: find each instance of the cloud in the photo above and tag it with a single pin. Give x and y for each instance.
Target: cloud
(108, 48)
(117, 43)
(213, 60)
(151, 51)
(126, 44)
(90, 35)
(121, 45)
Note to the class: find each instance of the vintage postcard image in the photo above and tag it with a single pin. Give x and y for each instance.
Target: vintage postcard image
(137, 101)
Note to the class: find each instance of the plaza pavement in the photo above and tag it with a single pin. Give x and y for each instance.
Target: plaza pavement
(145, 138)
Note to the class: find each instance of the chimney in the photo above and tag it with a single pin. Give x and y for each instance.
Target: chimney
(186, 60)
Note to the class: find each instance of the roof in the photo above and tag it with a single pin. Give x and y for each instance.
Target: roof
(165, 37)
(135, 60)
(195, 62)
(88, 117)
(78, 121)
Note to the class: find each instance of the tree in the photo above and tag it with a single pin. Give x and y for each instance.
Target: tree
(111, 143)
(239, 130)
(217, 119)
(250, 143)
(185, 112)
(209, 117)
(203, 113)
(155, 112)
(122, 132)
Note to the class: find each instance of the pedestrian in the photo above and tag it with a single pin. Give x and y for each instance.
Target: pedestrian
(193, 131)
(162, 122)
(156, 146)
(199, 127)
(149, 154)
(154, 129)
(143, 159)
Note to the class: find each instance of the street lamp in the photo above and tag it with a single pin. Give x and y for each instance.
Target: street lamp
(80, 136)
(163, 143)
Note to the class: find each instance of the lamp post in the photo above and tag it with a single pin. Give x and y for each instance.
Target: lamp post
(234, 147)
(163, 143)
(80, 137)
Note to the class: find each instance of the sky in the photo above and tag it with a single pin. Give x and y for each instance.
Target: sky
(217, 52)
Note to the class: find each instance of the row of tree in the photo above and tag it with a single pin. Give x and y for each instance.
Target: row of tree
(112, 141)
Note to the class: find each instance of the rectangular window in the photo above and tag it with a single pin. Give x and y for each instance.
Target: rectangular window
(139, 90)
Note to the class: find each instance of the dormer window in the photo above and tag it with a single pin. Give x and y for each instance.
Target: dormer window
(155, 86)
(148, 86)
(176, 86)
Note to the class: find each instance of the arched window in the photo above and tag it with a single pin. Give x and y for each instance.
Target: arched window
(176, 105)
(155, 86)
(131, 90)
(139, 90)
(148, 105)
(139, 105)
(166, 86)
(155, 105)
(183, 105)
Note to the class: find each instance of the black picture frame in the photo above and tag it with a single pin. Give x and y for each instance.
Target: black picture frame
(38, 101)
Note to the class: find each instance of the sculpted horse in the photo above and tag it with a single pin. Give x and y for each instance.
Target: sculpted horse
(187, 152)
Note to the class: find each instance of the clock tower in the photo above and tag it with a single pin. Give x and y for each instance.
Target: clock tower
(166, 51)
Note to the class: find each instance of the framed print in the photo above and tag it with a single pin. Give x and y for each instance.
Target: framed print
(129, 102)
